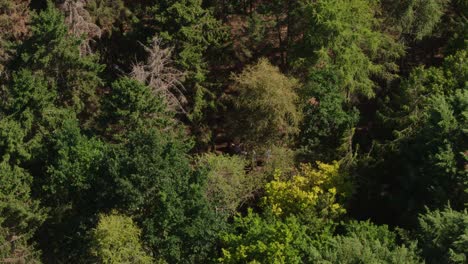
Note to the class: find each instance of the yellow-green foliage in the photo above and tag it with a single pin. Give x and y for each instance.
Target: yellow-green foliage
(279, 158)
(227, 183)
(310, 191)
(265, 240)
(117, 240)
(265, 104)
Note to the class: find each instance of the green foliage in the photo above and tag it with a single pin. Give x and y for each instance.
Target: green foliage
(257, 239)
(107, 13)
(456, 30)
(254, 38)
(131, 104)
(266, 111)
(28, 91)
(151, 177)
(192, 30)
(328, 118)
(20, 215)
(116, 239)
(342, 37)
(443, 236)
(12, 141)
(152, 180)
(269, 240)
(191, 27)
(420, 21)
(431, 122)
(310, 194)
(227, 185)
(28, 98)
(415, 18)
(367, 243)
(80, 141)
(278, 158)
(51, 51)
(72, 163)
(19, 211)
(66, 173)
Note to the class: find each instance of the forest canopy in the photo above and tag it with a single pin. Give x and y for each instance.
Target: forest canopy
(243, 131)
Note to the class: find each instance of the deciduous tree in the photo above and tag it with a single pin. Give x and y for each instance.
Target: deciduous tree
(265, 105)
(116, 239)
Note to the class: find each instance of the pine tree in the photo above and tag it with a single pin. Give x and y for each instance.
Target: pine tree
(343, 37)
(443, 236)
(55, 54)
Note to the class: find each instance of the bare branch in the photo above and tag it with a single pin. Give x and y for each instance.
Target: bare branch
(161, 76)
(80, 23)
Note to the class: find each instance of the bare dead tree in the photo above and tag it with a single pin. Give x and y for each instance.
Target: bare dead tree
(159, 73)
(80, 23)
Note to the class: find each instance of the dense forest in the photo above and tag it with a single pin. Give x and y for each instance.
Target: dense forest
(234, 131)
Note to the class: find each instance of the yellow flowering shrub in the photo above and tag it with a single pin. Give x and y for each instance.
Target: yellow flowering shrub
(310, 191)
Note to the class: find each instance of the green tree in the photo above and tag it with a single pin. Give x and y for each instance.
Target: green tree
(265, 105)
(434, 23)
(55, 54)
(66, 181)
(270, 240)
(422, 163)
(443, 236)
(413, 18)
(152, 179)
(130, 105)
(190, 27)
(298, 217)
(276, 158)
(28, 98)
(116, 239)
(72, 163)
(364, 242)
(431, 131)
(20, 215)
(284, 21)
(192, 30)
(313, 195)
(343, 37)
(20, 212)
(228, 185)
(106, 14)
(457, 31)
(266, 239)
(328, 121)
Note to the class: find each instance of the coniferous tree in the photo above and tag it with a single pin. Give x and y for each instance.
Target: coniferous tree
(21, 215)
(101, 100)
(329, 121)
(53, 52)
(151, 176)
(343, 37)
(192, 30)
(443, 236)
(423, 161)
